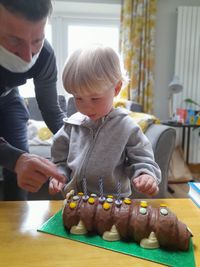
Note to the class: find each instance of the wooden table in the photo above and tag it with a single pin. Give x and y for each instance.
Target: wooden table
(22, 246)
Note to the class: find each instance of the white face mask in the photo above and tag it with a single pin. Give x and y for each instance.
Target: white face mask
(14, 63)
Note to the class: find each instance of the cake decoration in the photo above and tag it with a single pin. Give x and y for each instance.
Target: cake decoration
(130, 221)
(116, 218)
(151, 242)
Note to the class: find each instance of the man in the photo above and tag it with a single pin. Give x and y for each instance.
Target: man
(25, 54)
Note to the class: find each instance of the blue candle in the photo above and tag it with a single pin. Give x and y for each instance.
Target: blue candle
(118, 190)
(101, 187)
(84, 184)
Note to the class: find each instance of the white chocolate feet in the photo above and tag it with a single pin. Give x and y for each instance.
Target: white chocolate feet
(78, 229)
(111, 235)
(151, 242)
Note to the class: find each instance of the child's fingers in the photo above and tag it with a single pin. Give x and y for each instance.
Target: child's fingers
(137, 181)
(51, 188)
(155, 192)
(151, 186)
(146, 185)
(55, 186)
(138, 186)
(140, 183)
(151, 189)
(60, 186)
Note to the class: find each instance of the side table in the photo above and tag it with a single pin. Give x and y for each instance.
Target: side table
(185, 128)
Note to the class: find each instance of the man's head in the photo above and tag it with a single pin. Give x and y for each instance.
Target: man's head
(22, 27)
(32, 10)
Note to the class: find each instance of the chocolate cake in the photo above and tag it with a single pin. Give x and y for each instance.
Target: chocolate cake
(125, 219)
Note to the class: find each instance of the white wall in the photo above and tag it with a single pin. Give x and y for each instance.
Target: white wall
(83, 7)
(165, 51)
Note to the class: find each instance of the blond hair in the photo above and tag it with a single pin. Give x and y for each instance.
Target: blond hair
(90, 70)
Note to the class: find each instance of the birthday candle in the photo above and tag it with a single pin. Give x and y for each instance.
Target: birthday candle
(84, 183)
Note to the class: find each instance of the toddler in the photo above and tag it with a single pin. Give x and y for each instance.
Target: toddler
(99, 141)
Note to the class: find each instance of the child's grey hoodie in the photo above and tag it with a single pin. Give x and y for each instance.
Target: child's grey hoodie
(113, 148)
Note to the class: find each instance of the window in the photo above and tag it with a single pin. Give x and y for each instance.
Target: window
(76, 24)
(79, 36)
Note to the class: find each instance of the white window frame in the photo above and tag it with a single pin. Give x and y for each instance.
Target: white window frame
(61, 21)
(75, 16)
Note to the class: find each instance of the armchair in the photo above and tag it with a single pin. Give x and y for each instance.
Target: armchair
(35, 114)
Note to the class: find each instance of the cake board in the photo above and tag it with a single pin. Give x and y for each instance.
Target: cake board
(55, 227)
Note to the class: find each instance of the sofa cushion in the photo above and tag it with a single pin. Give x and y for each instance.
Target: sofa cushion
(43, 151)
(39, 133)
(144, 120)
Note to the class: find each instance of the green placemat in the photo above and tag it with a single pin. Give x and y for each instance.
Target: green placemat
(55, 226)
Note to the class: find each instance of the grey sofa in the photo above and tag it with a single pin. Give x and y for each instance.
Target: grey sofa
(35, 114)
(161, 137)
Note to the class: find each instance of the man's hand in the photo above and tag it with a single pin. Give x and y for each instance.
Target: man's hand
(33, 171)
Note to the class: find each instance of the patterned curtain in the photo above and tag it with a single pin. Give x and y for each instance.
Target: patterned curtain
(137, 45)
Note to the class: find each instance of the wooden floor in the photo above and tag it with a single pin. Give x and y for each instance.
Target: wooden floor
(180, 190)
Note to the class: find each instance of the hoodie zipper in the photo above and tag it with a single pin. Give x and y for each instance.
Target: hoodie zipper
(82, 169)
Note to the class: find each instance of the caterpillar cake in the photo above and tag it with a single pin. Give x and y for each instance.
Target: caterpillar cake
(125, 219)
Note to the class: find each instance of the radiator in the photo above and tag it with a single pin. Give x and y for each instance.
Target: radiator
(187, 67)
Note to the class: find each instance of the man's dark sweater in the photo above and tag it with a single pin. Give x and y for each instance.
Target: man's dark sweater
(44, 74)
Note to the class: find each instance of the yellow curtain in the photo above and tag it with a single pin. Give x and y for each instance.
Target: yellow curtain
(137, 45)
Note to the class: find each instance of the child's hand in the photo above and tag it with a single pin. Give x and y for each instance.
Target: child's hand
(146, 184)
(55, 186)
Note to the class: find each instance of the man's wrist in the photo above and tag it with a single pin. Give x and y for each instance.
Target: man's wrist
(9, 155)
(19, 159)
